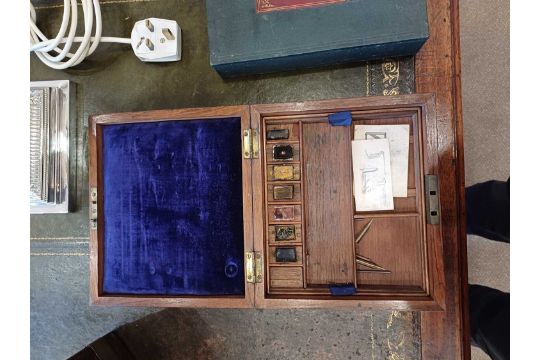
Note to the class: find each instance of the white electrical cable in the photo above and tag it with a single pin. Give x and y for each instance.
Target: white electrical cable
(41, 45)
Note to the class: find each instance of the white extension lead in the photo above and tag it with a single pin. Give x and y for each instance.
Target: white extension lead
(152, 39)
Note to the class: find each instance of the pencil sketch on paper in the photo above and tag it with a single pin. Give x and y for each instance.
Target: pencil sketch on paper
(372, 175)
(398, 140)
(370, 135)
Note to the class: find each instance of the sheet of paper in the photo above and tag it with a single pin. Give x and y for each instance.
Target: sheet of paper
(398, 138)
(372, 175)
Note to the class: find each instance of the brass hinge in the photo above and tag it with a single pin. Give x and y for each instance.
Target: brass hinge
(254, 270)
(431, 185)
(93, 208)
(251, 144)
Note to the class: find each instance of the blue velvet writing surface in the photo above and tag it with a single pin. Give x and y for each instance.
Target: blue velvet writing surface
(173, 217)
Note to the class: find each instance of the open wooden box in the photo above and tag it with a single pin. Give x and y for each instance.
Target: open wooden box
(183, 209)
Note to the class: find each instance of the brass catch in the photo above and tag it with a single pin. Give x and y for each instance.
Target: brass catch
(431, 184)
(93, 208)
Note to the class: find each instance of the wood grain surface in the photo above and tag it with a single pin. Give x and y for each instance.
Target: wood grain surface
(421, 286)
(328, 204)
(396, 244)
(446, 335)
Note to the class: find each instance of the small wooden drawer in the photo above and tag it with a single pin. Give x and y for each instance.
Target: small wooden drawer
(284, 192)
(286, 277)
(298, 252)
(283, 172)
(290, 129)
(284, 234)
(284, 213)
(282, 152)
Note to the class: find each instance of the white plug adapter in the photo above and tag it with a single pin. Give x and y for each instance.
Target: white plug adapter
(157, 40)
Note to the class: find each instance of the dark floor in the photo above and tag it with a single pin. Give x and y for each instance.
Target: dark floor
(114, 80)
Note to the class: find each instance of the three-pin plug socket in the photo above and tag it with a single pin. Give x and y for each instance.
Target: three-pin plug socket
(157, 40)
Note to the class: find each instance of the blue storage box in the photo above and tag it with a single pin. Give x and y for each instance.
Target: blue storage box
(262, 36)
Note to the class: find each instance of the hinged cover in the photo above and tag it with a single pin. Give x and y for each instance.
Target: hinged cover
(155, 191)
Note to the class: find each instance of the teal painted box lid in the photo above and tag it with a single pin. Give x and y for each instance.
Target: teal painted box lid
(262, 36)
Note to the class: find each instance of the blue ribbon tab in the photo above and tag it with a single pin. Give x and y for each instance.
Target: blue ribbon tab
(342, 289)
(343, 118)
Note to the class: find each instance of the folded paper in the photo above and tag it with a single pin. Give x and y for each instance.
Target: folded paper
(372, 175)
(398, 139)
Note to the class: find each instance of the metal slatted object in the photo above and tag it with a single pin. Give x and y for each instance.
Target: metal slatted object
(49, 146)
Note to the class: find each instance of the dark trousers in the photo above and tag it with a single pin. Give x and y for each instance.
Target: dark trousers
(488, 215)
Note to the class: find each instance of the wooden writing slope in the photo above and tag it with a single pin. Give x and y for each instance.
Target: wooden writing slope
(302, 203)
(318, 212)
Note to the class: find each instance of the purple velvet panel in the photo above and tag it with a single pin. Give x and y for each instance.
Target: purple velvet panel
(173, 208)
